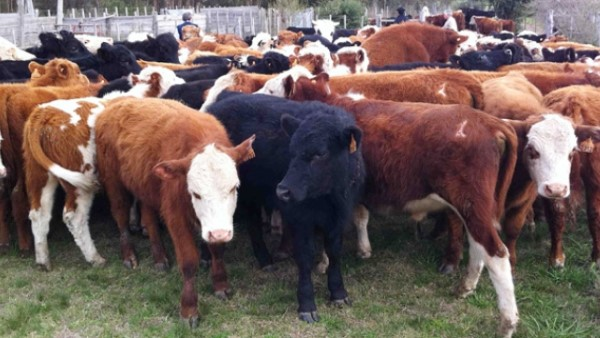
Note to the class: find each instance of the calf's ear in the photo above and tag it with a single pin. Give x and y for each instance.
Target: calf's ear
(587, 137)
(289, 124)
(352, 136)
(36, 69)
(168, 170)
(243, 151)
(289, 86)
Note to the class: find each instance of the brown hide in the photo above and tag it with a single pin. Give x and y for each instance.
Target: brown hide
(129, 157)
(411, 42)
(285, 38)
(512, 97)
(487, 25)
(443, 86)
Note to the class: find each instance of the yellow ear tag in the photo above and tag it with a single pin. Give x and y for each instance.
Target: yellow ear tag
(352, 144)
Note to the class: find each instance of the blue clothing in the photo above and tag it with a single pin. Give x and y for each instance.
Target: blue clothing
(181, 25)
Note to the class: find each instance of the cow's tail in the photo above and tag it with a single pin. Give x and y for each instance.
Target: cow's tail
(507, 142)
(32, 137)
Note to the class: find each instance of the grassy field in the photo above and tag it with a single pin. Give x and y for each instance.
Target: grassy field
(396, 293)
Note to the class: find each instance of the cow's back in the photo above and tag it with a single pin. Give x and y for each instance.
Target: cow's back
(142, 133)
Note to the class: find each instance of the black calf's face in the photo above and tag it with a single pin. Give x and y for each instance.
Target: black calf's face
(320, 152)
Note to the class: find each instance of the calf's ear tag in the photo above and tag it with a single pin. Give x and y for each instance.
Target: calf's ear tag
(352, 144)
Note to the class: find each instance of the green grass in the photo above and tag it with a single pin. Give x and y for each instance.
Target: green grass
(396, 293)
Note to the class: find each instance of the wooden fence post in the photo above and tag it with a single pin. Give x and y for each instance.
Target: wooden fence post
(155, 23)
(549, 23)
(59, 13)
(21, 28)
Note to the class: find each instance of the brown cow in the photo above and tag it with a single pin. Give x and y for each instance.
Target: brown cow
(184, 171)
(285, 38)
(411, 42)
(547, 144)
(16, 102)
(582, 104)
(487, 25)
(461, 144)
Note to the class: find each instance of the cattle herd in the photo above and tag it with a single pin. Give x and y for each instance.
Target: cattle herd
(312, 130)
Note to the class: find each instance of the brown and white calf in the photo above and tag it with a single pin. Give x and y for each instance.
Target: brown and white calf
(468, 168)
(59, 148)
(57, 78)
(184, 171)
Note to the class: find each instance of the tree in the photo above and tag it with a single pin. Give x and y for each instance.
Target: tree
(510, 9)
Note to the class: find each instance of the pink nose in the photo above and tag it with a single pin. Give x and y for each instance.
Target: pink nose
(2, 172)
(555, 190)
(220, 236)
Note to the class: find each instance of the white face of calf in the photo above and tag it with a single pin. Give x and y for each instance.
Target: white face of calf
(550, 147)
(275, 86)
(325, 28)
(212, 183)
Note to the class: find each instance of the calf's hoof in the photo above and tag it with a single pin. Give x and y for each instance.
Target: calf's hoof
(224, 294)
(44, 266)
(340, 303)
(98, 261)
(464, 292)
(192, 321)
(162, 266)
(309, 317)
(364, 254)
(130, 262)
(558, 262)
(507, 327)
(447, 268)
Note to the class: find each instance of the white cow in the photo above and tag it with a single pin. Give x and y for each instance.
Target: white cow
(9, 51)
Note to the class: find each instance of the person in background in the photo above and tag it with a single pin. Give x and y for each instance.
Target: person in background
(187, 20)
(402, 17)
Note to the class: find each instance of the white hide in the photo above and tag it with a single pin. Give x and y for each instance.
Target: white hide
(424, 14)
(534, 49)
(317, 48)
(554, 139)
(92, 42)
(468, 45)
(275, 86)
(9, 51)
(262, 42)
(138, 36)
(325, 28)
(220, 85)
(167, 78)
(362, 32)
(212, 183)
(451, 24)
(361, 67)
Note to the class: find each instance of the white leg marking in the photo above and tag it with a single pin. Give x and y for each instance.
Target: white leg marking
(501, 276)
(361, 220)
(77, 222)
(469, 283)
(40, 222)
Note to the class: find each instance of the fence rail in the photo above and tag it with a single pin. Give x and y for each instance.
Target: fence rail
(244, 21)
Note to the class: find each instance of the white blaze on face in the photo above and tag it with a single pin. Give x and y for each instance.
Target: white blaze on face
(212, 183)
(262, 42)
(547, 155)
(325, 28)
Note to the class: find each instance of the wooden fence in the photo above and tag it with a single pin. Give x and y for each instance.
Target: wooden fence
(243, 21)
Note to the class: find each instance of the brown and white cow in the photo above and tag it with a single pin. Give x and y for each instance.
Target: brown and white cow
(57, 78)
(183, 171)
(469, 165)
(59, 148)
(582, 104)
